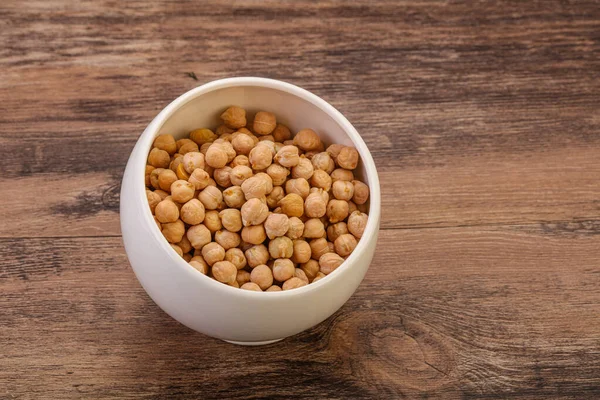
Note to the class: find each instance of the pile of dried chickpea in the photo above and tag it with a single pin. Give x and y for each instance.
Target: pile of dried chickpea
(252, 207)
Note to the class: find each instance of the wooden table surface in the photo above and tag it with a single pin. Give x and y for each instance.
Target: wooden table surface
(483, 119)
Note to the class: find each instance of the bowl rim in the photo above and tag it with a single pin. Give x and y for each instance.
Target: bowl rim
(147, 138)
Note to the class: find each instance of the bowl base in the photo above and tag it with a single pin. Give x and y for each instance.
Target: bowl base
(253, 343)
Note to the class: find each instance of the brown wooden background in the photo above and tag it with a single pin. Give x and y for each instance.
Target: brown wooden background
(484, 121)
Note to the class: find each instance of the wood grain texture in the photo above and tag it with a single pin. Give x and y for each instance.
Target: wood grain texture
(483, 119)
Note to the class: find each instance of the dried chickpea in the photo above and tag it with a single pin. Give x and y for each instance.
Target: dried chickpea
(323, 161)
(224, 271)
(278, 174)
(257, 255)
(175, 162)
(234, 117)
(293, 283)
(202, 135)
(329, 262)
(231, 219)
(177, 249)
(276, 225)
(274, 288)
(214, 252)
(154, 177)
(233, 284)
(352, 205)
(273, 198)
(304, 169)
(301, 251)
(223, 129)
(199, 178)
(166, 143)
(236, 257)
(163, 195)
(227, 240)
(229, 150)
(240, 160)
(262, 276)
(204, 149)
(288, 156)
(300, 186)
(234, 197)
(357, 221)
(334, 150)
(363, 208)
(193, 160)
(319, 247)
(166, 178)
(267, 181)
(283, 269)
(181, 172)
(239, 174)
(313, 228)
(292, 205)
(340, 174)
(212, 221)
(347, 158)
(181, 142)
(182, 191)
(242, 277)
(216, 155)
(192, 212)
(188, 147)
(315, 206)
(342, 190)
(318, 277)
(173, 231)
(310, 268)
(337, 210)
(159, 158)
(321, 180)
(199, 265)
(199, 236)
(254, 212)
(264, 123)
(307, 140)
(153, 200)
(169, 198)
(361, 192)
(334, 231)
(281, 247)
(254, 187)
(254, 234)
(345, 244)
(166, 211)
(260, 157)
(149, 169)
(222, 176)
(242, 143)
(211, 197)
(299, 273)
(185, 244)
(281, 133)
(296, 228)
(251, 286)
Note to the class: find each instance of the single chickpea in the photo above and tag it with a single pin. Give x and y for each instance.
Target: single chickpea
(281, 133)
(345, 244)
(283, 269)
(204, 149)
(329, 262)
(240, 160)
(296, 228)
(334, 231)
(199, 265)
(182, 191)
(223, 176)
(203, 135)
(313, 228)
(154, 177)
(227, 240)
(242, 277)
(181, 142)
(323, 161)
(251, 286)
(310, 268)
(267, 180)
(234, 117)
(166, 211)
(175, 162)
(211, 197)
(300, 186)
(193, 160)
(281, 247)
(212, 221)
(223, 129)
(231, 219)
(314, 205)
(321, 180)
(162, 194)
(199, 179)
(307, 140)
(192, 212)
(276, 225)
(239, 174)
(260, 157)
(357, 221)
(341, 174)
(165, 179)
(337, 210)
(177, 249)
(264, 123)
(352, 205)
(334, 150)
(153, 200)
(234, 197)
(304, 169)
(149, 169)
(318, 247)
(188, 147)
(293, 283)
(292, 205)
(361, 192)
(242, 144)
(224, 271)
(216, 155)
(287, 156)
(169, 198)
(274, 288)
(214, 252)
(343, 190)
(254, 234)
(299, 273)
(166, 143)
(181, 172)
(318, 277)
(173, 231)
(199, 236)
(254, 187)
(159, 158)
(185, 244)
(236, 257)
(257, 255)
(254, 212)
(301, 251)
(262, 276)
(278, 174)
(264, 141)
(273, 198)
(229, 150)
(347, 158)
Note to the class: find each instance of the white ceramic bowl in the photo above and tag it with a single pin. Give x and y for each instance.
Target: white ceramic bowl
(195, 300)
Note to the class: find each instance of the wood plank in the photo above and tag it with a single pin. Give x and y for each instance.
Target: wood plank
(480, 312)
